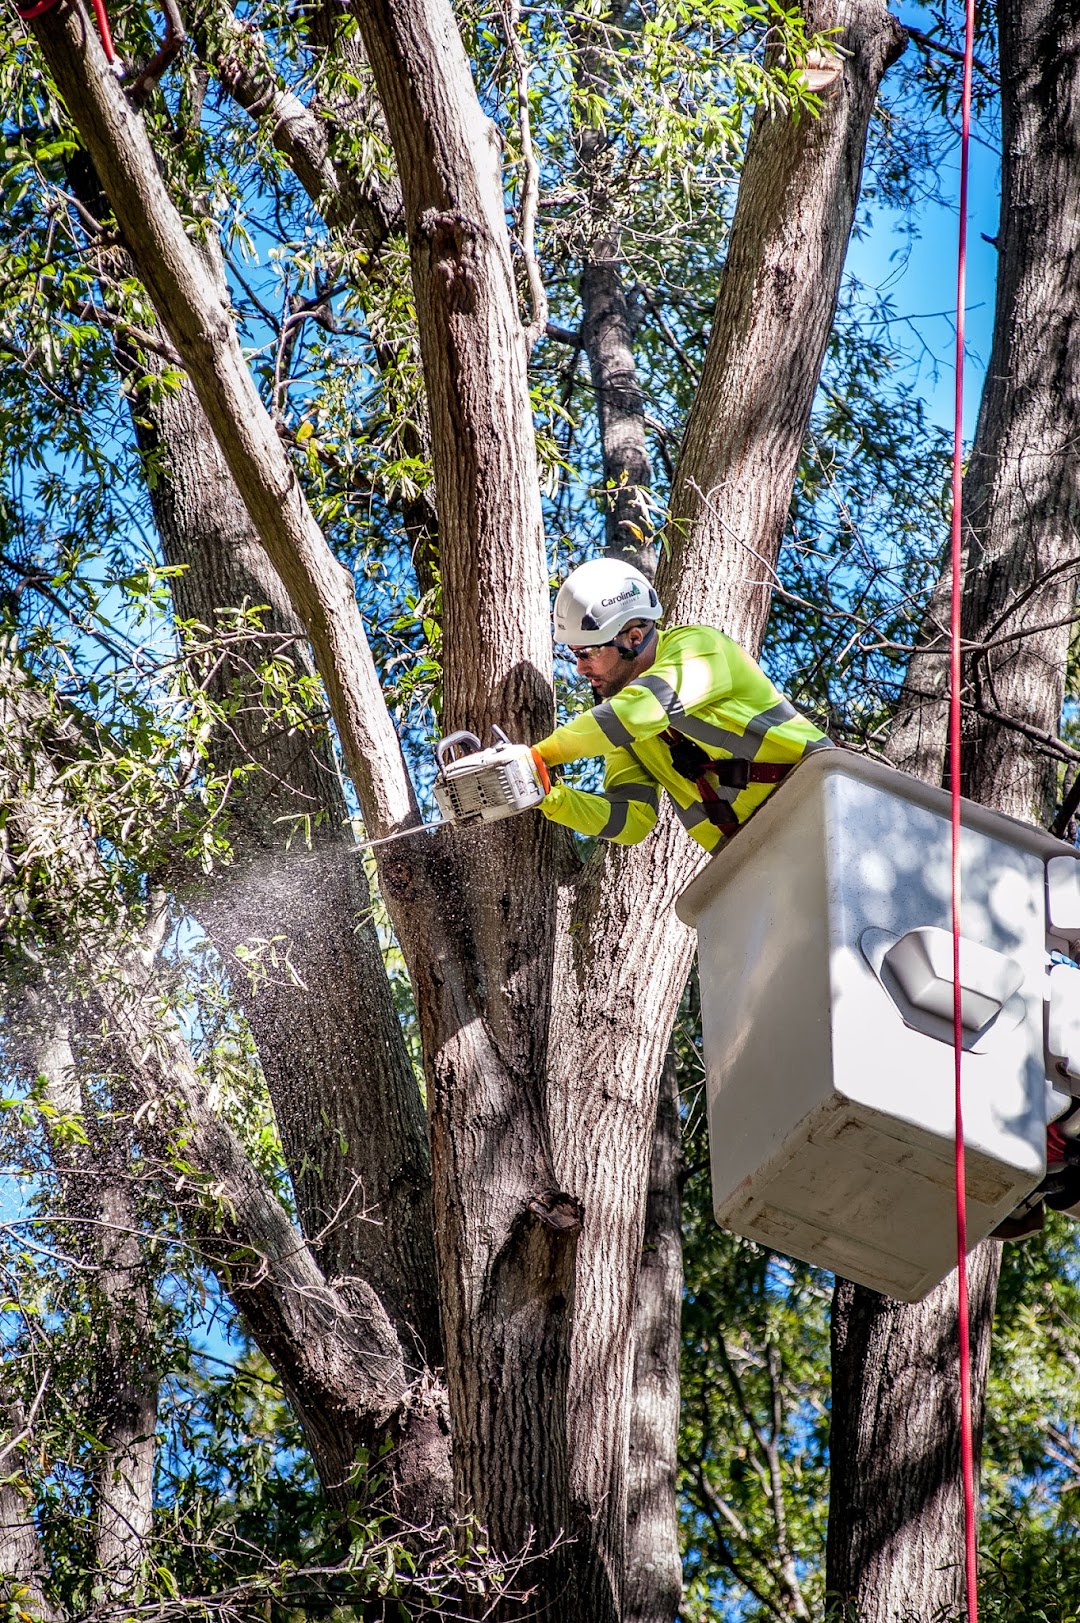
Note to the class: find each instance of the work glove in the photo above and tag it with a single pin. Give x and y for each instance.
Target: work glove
(542, 773)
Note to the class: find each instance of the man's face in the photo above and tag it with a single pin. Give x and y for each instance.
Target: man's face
(604, 668)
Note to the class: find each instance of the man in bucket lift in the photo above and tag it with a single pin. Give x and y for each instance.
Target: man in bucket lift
(688, 711)
(684, 710)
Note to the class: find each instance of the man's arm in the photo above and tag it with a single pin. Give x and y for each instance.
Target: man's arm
(625, 812)
(633, 713)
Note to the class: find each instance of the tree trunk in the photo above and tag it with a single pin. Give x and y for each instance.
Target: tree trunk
(98, 1204)
(324, 1022)
(778, 293)
(125, 1397)
(606, 334)
(506, 1233)
(895, 1529)
(896, 1515)
(23, 1570)
(513, 1171)
(652, 1586)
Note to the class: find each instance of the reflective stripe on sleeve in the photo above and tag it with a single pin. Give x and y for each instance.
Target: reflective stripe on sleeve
(610, 725)
(663, 692)
(635, 791)
(618, 812)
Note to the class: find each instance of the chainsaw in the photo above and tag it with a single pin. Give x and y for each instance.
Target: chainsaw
(477, 785)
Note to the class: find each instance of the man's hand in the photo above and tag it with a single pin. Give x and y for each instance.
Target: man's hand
(541, 770)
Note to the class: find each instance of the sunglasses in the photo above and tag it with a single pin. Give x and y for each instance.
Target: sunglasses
(587, 653)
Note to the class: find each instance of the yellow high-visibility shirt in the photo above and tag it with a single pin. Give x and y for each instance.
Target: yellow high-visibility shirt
(702, 685)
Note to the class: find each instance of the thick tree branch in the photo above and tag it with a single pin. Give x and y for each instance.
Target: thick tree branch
(365, 209)
(605, 323)
(200, 326)
(785, 257)
(796, 203)
(530, 179)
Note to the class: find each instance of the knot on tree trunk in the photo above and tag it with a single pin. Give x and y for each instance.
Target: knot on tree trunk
(557, 1211)
(450, 242)
(418, 1454)
(533, 1273)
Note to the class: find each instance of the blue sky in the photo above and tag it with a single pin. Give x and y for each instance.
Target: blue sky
(920, 272)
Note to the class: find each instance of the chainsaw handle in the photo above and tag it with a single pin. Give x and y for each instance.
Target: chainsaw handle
(467, 741)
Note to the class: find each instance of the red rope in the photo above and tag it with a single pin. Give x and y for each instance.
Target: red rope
(28, 13)
(967, 1447)
(38, 8)
(104, 30)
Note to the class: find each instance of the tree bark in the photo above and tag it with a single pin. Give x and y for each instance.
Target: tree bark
(919, 729)
(1022, 491)
(498, 649)
(895, 1528)
(125, 1398)
(652, 1586)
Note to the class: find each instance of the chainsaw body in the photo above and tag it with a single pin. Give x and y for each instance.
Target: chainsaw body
(482, 785)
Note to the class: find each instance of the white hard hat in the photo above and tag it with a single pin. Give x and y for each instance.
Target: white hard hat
(597, 599)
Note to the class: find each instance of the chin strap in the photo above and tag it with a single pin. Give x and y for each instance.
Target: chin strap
(632, 653)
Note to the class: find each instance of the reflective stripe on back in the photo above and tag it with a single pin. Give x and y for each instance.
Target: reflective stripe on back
(745, 745)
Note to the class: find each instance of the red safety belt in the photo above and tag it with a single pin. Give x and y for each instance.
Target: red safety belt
(732, 773)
